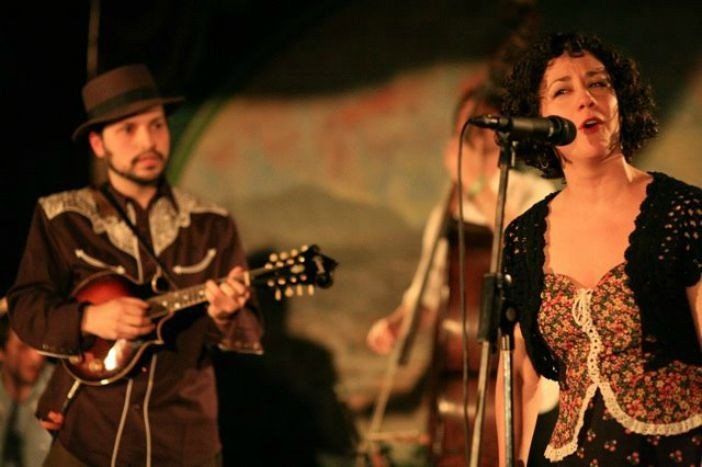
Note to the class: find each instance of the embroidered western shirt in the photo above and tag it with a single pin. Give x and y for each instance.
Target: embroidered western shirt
(166, 413)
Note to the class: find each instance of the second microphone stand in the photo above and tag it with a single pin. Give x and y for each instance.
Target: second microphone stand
(496, 315)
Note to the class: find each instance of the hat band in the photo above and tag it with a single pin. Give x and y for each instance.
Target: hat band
(120, 100)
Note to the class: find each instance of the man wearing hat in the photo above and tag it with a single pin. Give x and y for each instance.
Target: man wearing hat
(139, 227)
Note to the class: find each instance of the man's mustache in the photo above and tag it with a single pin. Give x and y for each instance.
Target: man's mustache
(148, 154)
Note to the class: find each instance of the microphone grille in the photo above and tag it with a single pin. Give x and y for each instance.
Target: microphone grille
(564, 131)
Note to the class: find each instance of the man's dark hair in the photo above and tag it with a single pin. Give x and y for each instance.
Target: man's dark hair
(634, 97)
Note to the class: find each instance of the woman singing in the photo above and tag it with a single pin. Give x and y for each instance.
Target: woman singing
(605, 273)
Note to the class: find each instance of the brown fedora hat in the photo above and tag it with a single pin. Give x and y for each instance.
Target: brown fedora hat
(119, 93)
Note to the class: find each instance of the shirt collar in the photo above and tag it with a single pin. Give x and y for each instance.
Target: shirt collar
(163, 190)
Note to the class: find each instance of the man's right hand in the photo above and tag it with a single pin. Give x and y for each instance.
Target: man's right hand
(53, 421)
(120, 318)
(383, 333)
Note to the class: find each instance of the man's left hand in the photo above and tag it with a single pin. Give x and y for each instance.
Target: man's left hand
(228, 297)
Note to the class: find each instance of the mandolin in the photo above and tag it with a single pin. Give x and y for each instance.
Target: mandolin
(104, 361)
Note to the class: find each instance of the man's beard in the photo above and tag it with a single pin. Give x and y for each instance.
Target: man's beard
(130, 175)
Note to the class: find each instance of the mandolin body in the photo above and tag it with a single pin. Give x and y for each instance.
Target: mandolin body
(104, 361)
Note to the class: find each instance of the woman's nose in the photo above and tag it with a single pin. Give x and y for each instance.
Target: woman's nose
(586, 99)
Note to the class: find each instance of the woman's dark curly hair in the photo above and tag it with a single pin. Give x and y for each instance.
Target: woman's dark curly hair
(523, 97)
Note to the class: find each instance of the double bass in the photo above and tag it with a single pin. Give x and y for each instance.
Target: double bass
(448, 427)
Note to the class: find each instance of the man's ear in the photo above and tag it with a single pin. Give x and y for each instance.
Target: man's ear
(96, 144)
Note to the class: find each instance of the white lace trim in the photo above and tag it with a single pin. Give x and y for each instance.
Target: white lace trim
(556, 454)
(582, 315)
(645, 428)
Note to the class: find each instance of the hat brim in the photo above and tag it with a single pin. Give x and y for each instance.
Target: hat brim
(170, 104)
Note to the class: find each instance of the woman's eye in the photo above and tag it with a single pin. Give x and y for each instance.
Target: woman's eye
(599, 84)
(560, 92)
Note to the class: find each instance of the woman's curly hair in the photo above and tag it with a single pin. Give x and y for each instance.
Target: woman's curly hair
(522, 96)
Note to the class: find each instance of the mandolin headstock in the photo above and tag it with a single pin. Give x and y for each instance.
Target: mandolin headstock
(295, 272)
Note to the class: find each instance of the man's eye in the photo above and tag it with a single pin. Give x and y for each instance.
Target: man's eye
(160, 126)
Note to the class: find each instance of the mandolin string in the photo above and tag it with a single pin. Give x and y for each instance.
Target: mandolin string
(190, 296)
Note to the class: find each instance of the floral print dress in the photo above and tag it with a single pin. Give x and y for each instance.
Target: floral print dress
(611, 410)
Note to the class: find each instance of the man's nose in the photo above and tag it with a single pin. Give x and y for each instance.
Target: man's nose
(145, 139)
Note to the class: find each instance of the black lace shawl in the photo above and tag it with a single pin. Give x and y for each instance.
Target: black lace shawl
(664, 257)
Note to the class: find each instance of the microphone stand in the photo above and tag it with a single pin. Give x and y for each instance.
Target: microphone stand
(494, 314)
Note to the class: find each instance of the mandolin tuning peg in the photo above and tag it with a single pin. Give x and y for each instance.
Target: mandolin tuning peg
(290, 262)
(270, 283)
(294, 252)
(279, 264)
(304, 248)
(273, 257)
(289, 292)
(278, 295)
(281, 281)
(299, 290)
(284, 255)
(310, 289)
(293, 280)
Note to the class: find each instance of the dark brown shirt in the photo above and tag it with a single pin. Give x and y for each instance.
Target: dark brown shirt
(168, 409)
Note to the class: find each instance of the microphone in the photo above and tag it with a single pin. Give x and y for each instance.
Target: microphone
(554, 130)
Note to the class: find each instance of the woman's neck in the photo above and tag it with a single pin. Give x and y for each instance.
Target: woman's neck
(601, 181)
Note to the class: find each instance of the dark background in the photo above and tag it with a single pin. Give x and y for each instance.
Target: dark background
(196, 48)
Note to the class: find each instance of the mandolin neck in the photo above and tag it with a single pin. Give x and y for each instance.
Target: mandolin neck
(191, 296)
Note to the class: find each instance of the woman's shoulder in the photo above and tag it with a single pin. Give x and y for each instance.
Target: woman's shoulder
(536, 214)
(673, 198)
(671, 212)
(670, 187)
